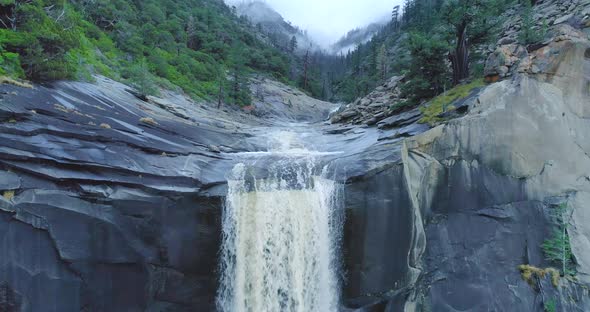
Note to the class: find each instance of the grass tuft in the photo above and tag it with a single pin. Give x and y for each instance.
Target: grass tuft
(18, 83)
(530, 274)
(8, 195)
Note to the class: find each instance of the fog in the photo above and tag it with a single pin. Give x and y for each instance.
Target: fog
(328, 20)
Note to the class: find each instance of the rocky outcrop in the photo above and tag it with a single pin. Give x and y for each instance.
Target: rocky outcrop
(473, 196)
(374, 107)
(485, 184)
(545, 13)
(553, 21)
(111, 203)
(277, 100)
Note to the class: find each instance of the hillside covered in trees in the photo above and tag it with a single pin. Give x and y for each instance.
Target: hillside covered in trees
(435, 44)
(208, 50)
(197, 45)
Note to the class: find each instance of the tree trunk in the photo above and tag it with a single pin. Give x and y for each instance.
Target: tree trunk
(460, 57)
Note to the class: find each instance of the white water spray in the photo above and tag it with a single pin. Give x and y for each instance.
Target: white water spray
(280, 237)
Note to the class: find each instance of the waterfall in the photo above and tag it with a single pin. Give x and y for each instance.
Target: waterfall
(280, 236)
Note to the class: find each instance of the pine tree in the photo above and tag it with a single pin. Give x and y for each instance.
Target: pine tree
(382, 62)
(557, 248)
(305, 69)
(239, 91)
(191, 33)
(293, 44)
(472, 21)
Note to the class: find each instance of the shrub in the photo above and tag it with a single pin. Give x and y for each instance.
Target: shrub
(550, 305)
(141, 78)
(532, 275)
(528, 33)
(8, 195)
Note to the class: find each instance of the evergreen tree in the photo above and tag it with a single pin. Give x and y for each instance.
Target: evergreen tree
(141, 79)
(557, 248)
(382, 62)
(239, 91)
(293, 44)
(427, 73)
(471, 22)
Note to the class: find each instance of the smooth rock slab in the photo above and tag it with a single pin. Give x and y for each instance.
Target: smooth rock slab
(9, 181)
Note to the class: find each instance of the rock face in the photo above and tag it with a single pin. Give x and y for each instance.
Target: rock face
(274, 99)
(554, 20)
(477, 193)
(374, 107)
(110, 203)
(484, 184)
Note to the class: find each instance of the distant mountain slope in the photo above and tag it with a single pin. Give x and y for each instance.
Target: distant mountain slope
(356, 36)
(272, 23)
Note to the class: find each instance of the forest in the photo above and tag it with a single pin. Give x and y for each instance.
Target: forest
(203, 48)
(434, 44)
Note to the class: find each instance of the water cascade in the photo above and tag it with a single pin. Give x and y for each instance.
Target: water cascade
(280, 234)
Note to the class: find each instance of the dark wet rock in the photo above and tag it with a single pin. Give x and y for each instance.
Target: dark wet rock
(372, 204)
(339, 130)
(407, 131)
(128, 217)
(400, 119)
(119, 217)
(10, 301)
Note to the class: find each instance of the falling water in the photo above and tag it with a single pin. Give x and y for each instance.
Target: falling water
(280, 236)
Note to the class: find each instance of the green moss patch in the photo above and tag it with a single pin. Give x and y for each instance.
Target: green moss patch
(443, 102)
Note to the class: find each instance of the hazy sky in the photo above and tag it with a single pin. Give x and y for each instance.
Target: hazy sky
(328, 20)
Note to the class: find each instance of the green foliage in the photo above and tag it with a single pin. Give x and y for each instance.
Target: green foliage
(239, 91)
(557, 248)
(428, 74)
(442, 103)
(141, 78)
(528, 34)
(45, 31)
(439, 20)
(10, 65)
(550, 305)
(186, 43)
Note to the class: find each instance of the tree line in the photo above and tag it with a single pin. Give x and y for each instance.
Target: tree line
(196, 45)
(433, 43)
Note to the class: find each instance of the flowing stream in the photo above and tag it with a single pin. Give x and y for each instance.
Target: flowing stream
(280, 232)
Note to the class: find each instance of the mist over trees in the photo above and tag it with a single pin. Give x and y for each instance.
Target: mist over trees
(209, 50)
(431, 42)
